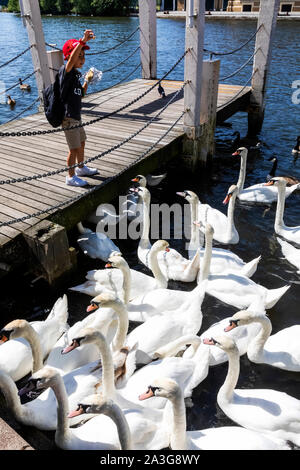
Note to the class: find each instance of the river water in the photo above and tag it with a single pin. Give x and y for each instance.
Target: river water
(24, 299)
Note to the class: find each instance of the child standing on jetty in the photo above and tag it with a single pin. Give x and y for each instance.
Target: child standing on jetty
(71, 95)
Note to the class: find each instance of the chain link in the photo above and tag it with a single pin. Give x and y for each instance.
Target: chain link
(17, 56)
(88, 160)
(239, 69)
(123, 61)
(101, 118)
(239, 92)
(107, 181)
(235, 50)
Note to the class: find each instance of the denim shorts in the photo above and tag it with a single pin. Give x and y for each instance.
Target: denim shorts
(76, 136)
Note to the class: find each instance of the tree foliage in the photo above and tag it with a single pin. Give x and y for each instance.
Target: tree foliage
(81, 7)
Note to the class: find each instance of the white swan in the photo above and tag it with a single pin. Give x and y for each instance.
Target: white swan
(145, 424)
(223, 225)
(96, 245)
(257, 193)
(16, 355)
(289, 233)
(280, 350)
(223, 438)
(86, 436)
(173, 265)
(158, 330)
(86, 380)
(103, 280)
(222, 260)
(232, 288)
(291, 253)
(265, 410)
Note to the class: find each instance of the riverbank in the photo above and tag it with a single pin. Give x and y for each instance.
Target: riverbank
(225, 15)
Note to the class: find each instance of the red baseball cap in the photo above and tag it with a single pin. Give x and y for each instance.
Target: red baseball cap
(70, 45)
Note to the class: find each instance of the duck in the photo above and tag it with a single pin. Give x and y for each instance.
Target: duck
(96, 245)
(24, 86)
(291, 253)
(222, 259)
(244, 141)
(257, 193)
(25, 344)
(10, 101)
(167, 327)
(225, 231)
(222, 438)
(296, 148)
(84, 437)
(263, 410)
(103, 280)
(173, 265)
(290, 180)
(233, 288)
(41, 412)
(280, 350)
(291, 234)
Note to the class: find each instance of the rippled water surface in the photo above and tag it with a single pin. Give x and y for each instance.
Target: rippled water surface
(255, 224)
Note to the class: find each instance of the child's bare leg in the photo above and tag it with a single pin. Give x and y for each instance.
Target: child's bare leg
(80, 154)
(71, 160)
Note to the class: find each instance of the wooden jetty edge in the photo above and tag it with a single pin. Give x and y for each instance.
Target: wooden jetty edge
(44, 209)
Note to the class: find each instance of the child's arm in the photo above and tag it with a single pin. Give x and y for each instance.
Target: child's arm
(88, 34)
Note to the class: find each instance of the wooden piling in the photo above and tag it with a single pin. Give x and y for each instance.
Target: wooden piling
(266, 26)
(147, 17)
(55, 61)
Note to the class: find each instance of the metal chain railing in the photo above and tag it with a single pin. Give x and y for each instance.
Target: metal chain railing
(239, 92)
(123, 61)
(88, 160)
(239, 69)
(18, 83)
(86, 193)
(234, 50)
(114, 47)
(129, 75)
(16, 57)
(101, 118)
(24, 110)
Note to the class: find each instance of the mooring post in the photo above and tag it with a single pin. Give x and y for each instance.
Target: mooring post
(147, 17)
(266, 26)
(55, 61)
(32, 16)
(194, 41)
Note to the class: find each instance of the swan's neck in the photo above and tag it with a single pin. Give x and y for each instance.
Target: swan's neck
(34, 340)
(242, 174)
(108, 376)
(126, 283)
(280, 206)
(157, 272)
(10, 392)
(123, 324)
(230, 213)
(63, 432)
(195, 233)
(115, 413)
(255, 348)
(178, 430)
(226, 391)
(205, 268)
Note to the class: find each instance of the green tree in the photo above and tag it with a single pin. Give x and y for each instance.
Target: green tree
(64, 6)
(82, 7)
(48, 6)
(13, 5)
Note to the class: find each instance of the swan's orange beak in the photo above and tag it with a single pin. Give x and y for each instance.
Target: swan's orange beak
(147, 395)
(70, 348)
(135, 180)
(77, 412)
(108, 265)
(230, 327)
(270, 183)
(235, 154)
(208, 341)
(3, 339)
(227, 199)
(92, 307)
(167, 249)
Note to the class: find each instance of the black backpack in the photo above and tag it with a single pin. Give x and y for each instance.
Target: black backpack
(53, 105)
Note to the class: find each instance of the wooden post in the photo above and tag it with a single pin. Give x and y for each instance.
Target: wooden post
(55, 61)
(194, 40)
(263, 49)
(35, 32)
(147, 16)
